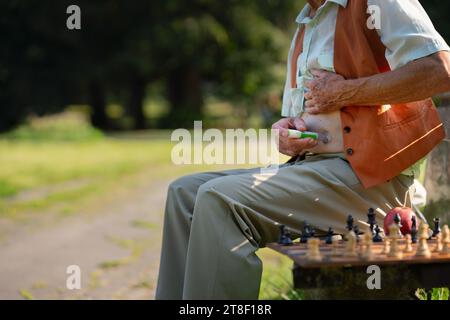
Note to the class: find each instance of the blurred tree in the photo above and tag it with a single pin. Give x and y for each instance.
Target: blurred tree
(233, 48)
(438, 12)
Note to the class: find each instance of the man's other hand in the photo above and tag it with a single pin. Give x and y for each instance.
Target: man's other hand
(292, 146)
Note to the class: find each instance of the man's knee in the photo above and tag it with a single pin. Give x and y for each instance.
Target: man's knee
(224, 189)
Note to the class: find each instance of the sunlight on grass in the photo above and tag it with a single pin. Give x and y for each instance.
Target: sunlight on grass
(276, 281)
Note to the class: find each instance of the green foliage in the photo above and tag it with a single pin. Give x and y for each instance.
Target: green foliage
(67, 126)
(234, 49)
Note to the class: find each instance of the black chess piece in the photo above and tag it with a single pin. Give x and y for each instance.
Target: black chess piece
(371, 219)
(329, 238)
(307, 233)
(356, 231)
(285, 236)
(350, 222)
(377, 237)
(437, 227)
(414, 230)
(398, 220)
(312, 232)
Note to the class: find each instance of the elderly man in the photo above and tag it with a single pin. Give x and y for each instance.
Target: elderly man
(368, 90)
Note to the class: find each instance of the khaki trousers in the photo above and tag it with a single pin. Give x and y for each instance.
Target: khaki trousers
(214, 222)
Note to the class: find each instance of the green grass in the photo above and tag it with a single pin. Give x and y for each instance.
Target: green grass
(62, 171)
(276, 281)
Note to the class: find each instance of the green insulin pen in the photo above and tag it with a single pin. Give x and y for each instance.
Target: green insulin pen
(323, 137)
(303, 134)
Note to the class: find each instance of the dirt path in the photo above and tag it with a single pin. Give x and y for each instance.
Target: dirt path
(116, 244)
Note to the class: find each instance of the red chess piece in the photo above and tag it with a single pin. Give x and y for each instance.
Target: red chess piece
(405, 214)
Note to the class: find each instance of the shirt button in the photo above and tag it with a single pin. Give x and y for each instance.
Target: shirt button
(350, 151)
(347, 129)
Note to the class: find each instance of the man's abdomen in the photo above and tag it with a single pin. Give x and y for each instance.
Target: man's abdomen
(329, 124)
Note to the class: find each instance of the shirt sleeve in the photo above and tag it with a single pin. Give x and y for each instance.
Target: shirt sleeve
(407, 31)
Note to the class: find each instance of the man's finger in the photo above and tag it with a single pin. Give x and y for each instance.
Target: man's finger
(300, 144)
(313, 110)
(310, 104)
(311, 84)
(319, 73)
(283, 132)
(308, 95)
(299, 124)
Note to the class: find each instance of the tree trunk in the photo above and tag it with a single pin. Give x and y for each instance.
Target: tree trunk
(135, 104)
(97, 101)
(185, 95)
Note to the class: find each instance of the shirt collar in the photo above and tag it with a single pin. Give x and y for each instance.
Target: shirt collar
(303, 17)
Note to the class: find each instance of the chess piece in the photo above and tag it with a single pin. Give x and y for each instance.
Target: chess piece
(437, 227)
(285, 236)
(439, 243)
(312, 232)
(350, 222)
(394, 235)
(368, 242)
(445, 240)
(356, 231)
(335, 248)
(414, 230)
(377, 237)
(306, 234)
(422, 247)
(313, 250)
(350, 249)
(387, 246)
(329, 238)
(371, 220)
(408, 243)
(398, 220)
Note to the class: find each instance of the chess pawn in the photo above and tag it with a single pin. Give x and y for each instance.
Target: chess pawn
(377, 237)
(445, 240)
(439, 243)
(437, 227)
(367, 240)
(387, 246)
(422, 247)
(408, 244)
(313, 250)
(395, 251)
(350, 247)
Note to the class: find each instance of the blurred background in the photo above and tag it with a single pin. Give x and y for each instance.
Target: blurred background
(85, 123)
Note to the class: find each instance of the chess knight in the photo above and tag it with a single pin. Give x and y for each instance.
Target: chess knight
(369, 90)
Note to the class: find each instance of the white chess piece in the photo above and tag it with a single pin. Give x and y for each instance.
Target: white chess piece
(350, 249)
(422, 247)
(445, 240)
(408, 244)
(387, 245)
(368, 242)
(313, 250)
(439, 243)
(394, 235)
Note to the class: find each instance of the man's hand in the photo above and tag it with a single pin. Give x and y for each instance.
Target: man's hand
(326, 92)
(292, 146)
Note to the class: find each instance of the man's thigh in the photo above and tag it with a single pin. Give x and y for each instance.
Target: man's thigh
(188, 185)
(322, 191)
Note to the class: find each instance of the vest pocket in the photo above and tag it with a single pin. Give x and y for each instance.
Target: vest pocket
(395, 115)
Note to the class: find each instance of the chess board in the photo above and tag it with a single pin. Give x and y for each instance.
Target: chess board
(335, 255)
